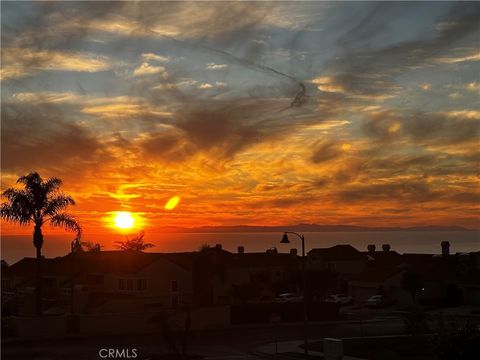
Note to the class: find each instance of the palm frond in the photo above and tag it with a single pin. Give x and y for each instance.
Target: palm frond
(14, 215)
(18, 208)
(52, 184)
(66, 221)
(34, 189)
(56, 204)
(30, 179)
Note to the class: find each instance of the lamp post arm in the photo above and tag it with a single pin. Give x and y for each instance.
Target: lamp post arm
(301, 237)
(294, 233)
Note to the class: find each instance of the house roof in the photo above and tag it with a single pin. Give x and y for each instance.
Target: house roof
(183, 259)
(263, 260)
(338, 253)
(28, 266)
(122, 262)
(385, 259)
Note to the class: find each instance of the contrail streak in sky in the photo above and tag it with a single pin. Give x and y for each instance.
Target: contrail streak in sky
(299, 97)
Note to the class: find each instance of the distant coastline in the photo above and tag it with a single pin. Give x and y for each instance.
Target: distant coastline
(311, 228)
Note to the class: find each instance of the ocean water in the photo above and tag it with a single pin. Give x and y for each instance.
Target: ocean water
(16, 247)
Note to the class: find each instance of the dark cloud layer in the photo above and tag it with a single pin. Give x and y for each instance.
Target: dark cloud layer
(422, 128)
(38, 137)
(363, 70)
(223, 128)
(325, 151)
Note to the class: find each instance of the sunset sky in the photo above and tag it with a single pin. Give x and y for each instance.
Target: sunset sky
(251, 113)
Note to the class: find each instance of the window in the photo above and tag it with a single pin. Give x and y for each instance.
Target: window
(129, 285)
(175, 301)
(67, 291)
(331, 266)
(132, 284)
(141, 284)
(174, 285)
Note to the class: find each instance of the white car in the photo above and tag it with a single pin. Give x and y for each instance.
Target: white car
(289, 298)
(340, 299)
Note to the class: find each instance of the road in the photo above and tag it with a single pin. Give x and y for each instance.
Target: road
(230, 344)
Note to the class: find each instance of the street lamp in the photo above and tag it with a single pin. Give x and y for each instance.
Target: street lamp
(285, 240)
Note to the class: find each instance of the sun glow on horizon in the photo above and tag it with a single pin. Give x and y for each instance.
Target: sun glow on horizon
(124, 220)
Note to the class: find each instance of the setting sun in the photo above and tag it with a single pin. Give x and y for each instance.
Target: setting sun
(124, 220)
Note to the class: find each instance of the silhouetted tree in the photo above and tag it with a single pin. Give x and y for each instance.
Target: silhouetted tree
(39, 202)
(90, 246)
(208, 268)
(135, 244)
(412, 283)
(204, 247)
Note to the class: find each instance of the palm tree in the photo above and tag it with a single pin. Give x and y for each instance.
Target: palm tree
(135, 244)
(39, 202)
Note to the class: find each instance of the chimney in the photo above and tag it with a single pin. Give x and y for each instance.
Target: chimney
(371, 248)
(241, 249)
(386, 247)
(445, 248)
(218, 246)
(272, 250)
(293, 252)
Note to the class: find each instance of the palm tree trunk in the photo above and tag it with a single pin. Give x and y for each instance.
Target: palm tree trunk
(38, 243)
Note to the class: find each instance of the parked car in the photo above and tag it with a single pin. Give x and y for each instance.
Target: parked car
(340, 299)
(379, 301)
(289, 298)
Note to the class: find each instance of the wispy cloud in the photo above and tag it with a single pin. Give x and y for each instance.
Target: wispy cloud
(147, 69)
(213, 66)
(20, 62)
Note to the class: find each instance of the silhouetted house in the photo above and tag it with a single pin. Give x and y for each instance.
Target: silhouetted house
(7, 285)
(343, 259)
(20, 280)
(105, 281)
(448, 279)
(6, 281)
(152, 281)
(261, 270)
(220, 276)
